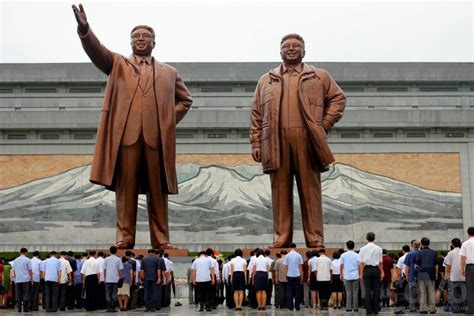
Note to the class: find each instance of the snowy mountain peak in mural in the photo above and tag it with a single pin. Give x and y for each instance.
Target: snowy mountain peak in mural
(239, 197)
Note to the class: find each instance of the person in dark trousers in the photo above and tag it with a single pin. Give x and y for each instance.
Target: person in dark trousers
(101, 302)
(64, 281)
(306, 276)
(35, 285)
(78, 300)
(90, 281)
(252, 297)
(213, 286)
(151, 270)
(113, 271)
(269, 278)
(467, 268)
(226, 277)
(203, 278)
(410, 273)
(281, 280)
(371, 272)
(133, 301)
(170, 286)
(220, 285)
(23, 275)
(456, 281)
(321, 267)
(167, 275)
(276, 290)
(52, 275)
(427, 271)
(387, 265)
(294, 276)
(70, 293)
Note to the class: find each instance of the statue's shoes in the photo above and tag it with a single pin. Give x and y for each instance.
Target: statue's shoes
(315, 244)
(168, 246)
(123, 245)
(277, 245)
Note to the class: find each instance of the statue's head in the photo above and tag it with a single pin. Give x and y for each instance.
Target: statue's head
(142, 40)
(292, 49)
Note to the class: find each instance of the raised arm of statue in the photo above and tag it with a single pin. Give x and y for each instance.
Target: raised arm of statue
(81, 18)
(98, 53)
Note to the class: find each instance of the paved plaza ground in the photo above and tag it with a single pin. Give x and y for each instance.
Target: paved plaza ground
(186, 309)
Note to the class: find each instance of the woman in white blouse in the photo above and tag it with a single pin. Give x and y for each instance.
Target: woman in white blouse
(238, 278)
(337, 287)
(260, 277)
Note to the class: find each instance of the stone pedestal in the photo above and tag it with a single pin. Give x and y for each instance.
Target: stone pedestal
(301, 251)
(144, 252)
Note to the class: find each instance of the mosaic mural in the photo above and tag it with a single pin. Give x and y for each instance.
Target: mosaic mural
(230, 202)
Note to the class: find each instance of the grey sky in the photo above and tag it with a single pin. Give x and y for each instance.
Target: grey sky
(245, 30)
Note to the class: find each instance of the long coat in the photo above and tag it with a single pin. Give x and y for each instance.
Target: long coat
(172, 100)
(322, 102)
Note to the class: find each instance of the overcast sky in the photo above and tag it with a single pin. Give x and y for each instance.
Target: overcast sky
(245, 30)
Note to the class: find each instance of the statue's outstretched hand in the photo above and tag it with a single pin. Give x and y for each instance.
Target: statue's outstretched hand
(81, 18)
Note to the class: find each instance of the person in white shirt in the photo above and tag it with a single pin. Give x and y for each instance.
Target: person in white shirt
(270, 277)
(453, 275)
(101, 301)
(467, 268)
(90, 281)
(66, 277)
(400, 266)
(169, 284)
(202, 271)
(313, 285)
(229, 294)
(337, 287)
(371, 272)
(213, 288)
(260, 278)
(322, 270)
(238, 278)
(251, 295)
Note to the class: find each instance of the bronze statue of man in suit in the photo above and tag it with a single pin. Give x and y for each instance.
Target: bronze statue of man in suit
(136, 150)
(294, 106)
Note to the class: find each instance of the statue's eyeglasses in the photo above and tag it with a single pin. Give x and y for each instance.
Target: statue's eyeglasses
(137, 36)
(290, 46)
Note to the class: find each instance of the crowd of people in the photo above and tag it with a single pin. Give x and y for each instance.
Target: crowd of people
(415, 280)
(90, 281)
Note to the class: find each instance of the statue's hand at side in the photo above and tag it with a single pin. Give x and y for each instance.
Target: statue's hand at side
(81, 18)
(256, 155)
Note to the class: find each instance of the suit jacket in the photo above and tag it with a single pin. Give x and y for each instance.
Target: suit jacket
(172, 100)
(322, 102)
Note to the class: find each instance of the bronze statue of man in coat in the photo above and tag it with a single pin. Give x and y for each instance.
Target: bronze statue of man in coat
(294, 106)
(136, 150)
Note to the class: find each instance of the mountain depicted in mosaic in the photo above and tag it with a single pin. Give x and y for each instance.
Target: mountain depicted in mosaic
(238, 198)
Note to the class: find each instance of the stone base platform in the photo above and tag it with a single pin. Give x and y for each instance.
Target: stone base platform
(144, 252)
(301, 251)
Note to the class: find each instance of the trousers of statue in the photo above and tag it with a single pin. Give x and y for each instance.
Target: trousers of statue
(140, 164)
(296, 161)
